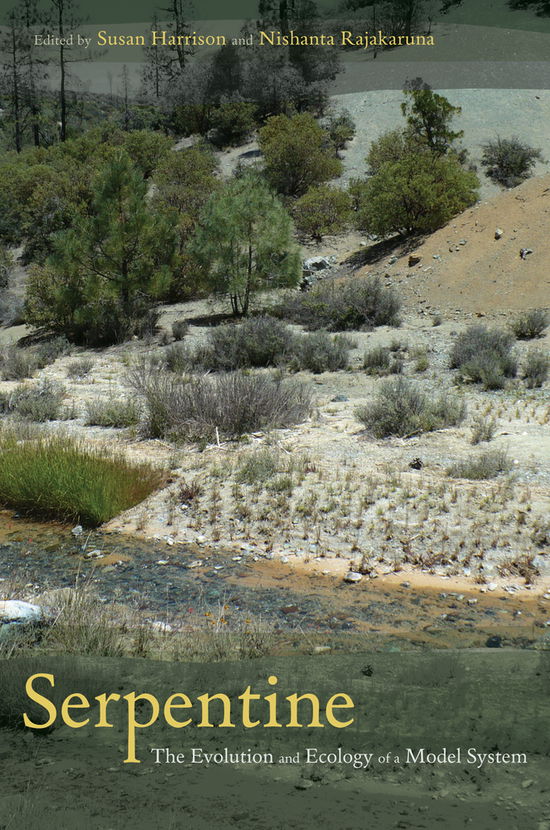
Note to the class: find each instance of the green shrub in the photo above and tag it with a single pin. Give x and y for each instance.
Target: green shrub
(18, 364)
(381, 361)
(227, 405)
(112, 413)
(401, 408)
(509, 161)
(486, 465)
(37, 402)
(484, 356)
(56, 476)
(298, 153)
(319, 352)
(530, 324)
(535, 368)
(180, 358)
(343, 306)
(6, 264)
(322, 210)
(414, 195)
(259, 466)
(232, 123)
(483, 429)
(179, 329)
(341, 129)
(80, 368)
(257, 342)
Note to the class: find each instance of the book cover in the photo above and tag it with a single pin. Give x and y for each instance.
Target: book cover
(274, 414)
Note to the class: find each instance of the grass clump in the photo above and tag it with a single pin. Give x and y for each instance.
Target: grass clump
(19, 363)
(483, 429)
(402, 409)
(38, 402)
(205, 407)
(343, 306)
(57, 476)
(319, 352)
(80, 368)
(179, 329)
(484, 356)
(124, 412)
(530, 324)
(382, 360)
(486, 465)
(535, 368)
(258, 467)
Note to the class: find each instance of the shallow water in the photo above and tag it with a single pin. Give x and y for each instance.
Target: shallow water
(170, 582)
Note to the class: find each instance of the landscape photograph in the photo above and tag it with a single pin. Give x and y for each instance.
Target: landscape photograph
(274, 392)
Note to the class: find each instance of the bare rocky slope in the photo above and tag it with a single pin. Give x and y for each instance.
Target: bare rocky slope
(463, 266)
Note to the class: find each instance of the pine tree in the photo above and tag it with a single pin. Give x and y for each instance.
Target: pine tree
(110, 267)
(244, 243)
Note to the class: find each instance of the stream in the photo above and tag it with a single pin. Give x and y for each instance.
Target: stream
(164, 582)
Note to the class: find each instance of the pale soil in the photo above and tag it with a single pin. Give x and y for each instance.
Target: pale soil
(339, 499)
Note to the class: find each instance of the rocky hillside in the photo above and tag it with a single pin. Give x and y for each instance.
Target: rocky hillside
(475, 262)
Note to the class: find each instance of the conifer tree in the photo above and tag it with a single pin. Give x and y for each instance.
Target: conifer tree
(244, 242)
(108, 270)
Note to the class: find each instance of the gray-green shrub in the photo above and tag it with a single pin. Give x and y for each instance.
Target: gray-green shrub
(37, 402)
(343, 306)
(484, 356)
(486, 465)
(319, 352)
(401, 408)
(382, 360)
(227, 405)
(530, 324)
(536, 367)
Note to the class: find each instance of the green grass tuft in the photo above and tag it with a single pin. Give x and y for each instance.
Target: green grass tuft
(57, 477)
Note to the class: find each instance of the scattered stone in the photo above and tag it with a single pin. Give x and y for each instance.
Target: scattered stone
(303, 784)
(498, 233)
(339, 399)
(494, 641)
(201, 540)
(94, 554)
(196, 563)
(524, 252)
(353, 577)
(526, 784)
(392, 259)
(163, 562)
(414, 260)
(472, 602)
(463, 242)
(416, 464)
(289, 609)
(321, 649)
(77, 530)
(405, 584)
(492, 586)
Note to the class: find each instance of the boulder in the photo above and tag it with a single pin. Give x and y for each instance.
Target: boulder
(316, 263)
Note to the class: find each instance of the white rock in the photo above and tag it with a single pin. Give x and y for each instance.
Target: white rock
(353, 577)
(15, 610)
(492, 586)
